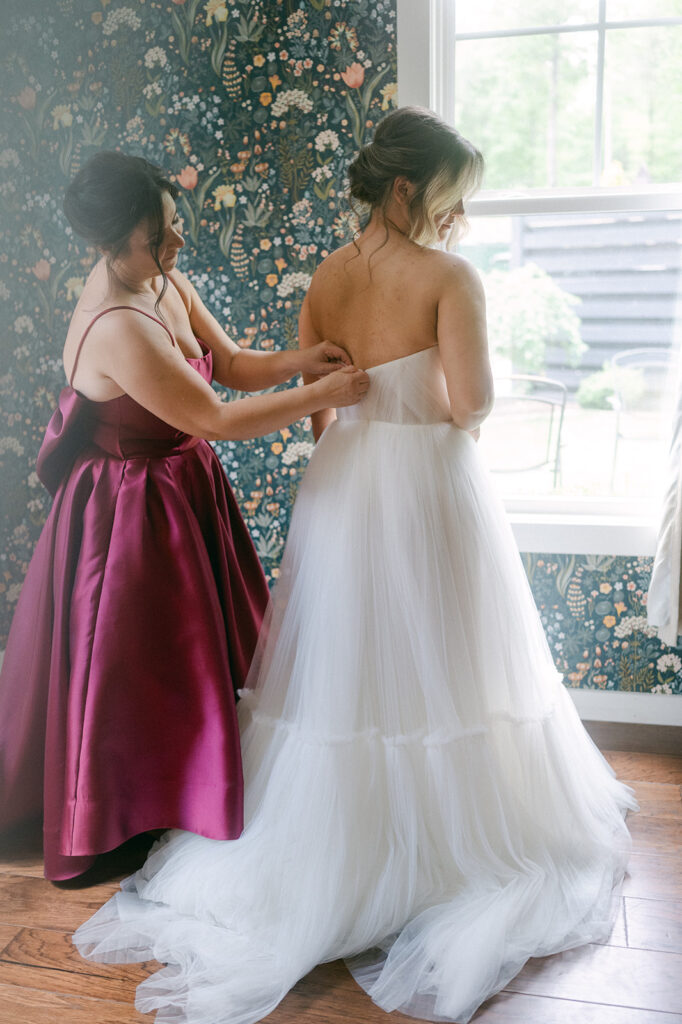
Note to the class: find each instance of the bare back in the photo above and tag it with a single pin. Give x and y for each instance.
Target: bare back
(378, 303)
(384, 299)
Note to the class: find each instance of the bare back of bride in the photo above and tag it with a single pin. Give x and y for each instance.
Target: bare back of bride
(421, 797)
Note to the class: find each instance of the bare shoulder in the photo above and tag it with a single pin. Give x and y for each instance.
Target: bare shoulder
(333, 264)
(452, 272)
(328, 281)
(128, 327)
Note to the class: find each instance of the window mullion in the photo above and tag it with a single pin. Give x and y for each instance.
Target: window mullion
(442, 25)
(599, 101)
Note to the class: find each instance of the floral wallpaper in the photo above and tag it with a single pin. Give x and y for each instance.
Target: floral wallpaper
(593, 609)
(254, 107)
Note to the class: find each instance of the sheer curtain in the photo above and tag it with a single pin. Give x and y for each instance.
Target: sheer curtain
(664, 607)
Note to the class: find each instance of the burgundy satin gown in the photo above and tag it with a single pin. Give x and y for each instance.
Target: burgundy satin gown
(135, 626)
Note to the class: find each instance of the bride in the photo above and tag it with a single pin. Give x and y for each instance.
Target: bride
(421, 798)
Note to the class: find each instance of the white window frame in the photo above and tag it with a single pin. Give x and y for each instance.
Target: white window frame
(426, 77)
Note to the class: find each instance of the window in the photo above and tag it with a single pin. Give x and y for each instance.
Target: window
(576, 105)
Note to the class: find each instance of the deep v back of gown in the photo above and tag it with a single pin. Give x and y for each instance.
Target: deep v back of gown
(421, 797)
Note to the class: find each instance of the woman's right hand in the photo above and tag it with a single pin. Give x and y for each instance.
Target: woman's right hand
(343, 387)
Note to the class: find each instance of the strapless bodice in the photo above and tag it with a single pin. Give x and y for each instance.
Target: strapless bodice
(409, 390)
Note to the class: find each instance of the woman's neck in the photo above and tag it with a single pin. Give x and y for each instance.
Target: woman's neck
(130, 281)
(122, 281)
(391, 217)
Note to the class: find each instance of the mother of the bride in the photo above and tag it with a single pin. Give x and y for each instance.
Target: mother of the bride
(142, 604)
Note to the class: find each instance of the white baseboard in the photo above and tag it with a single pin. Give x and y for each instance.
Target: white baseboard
(641, 708)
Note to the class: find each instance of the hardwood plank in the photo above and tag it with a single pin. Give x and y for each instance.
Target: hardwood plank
(7, 933)
(27, 864)
(632, 736)
(516, 1008)
(47, 959)
(658, 799)
(618, 936)
(327, 995)
(654, 876)
(655, 835)
(31, 1006)
(645, 767)
(67, 983)
(35, 902)
(654, 924)
(635, 978)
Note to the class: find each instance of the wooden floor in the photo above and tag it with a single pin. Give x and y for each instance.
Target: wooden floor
(636, 978)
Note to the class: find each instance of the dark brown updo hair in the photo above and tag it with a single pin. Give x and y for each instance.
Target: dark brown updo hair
(113, 193)
(414, 143)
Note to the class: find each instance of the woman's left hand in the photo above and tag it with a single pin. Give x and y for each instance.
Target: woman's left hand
(322, 359)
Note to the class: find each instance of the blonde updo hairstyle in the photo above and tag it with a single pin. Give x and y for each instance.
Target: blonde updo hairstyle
(414, 143)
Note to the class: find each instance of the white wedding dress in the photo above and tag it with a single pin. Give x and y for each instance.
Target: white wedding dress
(421, 798)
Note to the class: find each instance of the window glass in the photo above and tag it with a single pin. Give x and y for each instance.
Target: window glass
(591, 305)
(528, 103)
(625, 10)
(642, 140)
(497, 15)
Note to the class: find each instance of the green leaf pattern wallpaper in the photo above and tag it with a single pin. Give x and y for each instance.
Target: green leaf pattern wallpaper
(255, 107)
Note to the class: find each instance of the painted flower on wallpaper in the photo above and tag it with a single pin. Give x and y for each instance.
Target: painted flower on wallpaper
(291, 282)
(296, 452)
(41, 270)
(634, 624)
(122, 17)
(74, 287)
(216, 10)
(343, 34)
(354, 75)
(9, 158)
(176, 141)
(188, 178)
(389, 95)
(327, 140)
(224, 196)
(296, 25)
(61, 116)
(292, 99)
(27, 98)
(155, 57)
(23, 324)
(669, 663)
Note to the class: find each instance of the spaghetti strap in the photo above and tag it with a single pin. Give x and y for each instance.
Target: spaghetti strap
(94, 321)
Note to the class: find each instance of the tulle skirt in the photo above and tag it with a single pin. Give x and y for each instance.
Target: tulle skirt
(421, 797)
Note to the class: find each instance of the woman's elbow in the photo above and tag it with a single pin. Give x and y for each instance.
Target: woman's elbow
(213, 422)
(469, 415)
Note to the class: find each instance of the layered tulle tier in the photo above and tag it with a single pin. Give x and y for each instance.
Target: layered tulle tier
(421, 797)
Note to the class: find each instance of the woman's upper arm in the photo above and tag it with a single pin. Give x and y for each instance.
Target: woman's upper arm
(307, 337)
(206, 327)
(138, 355)
(463, 343)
